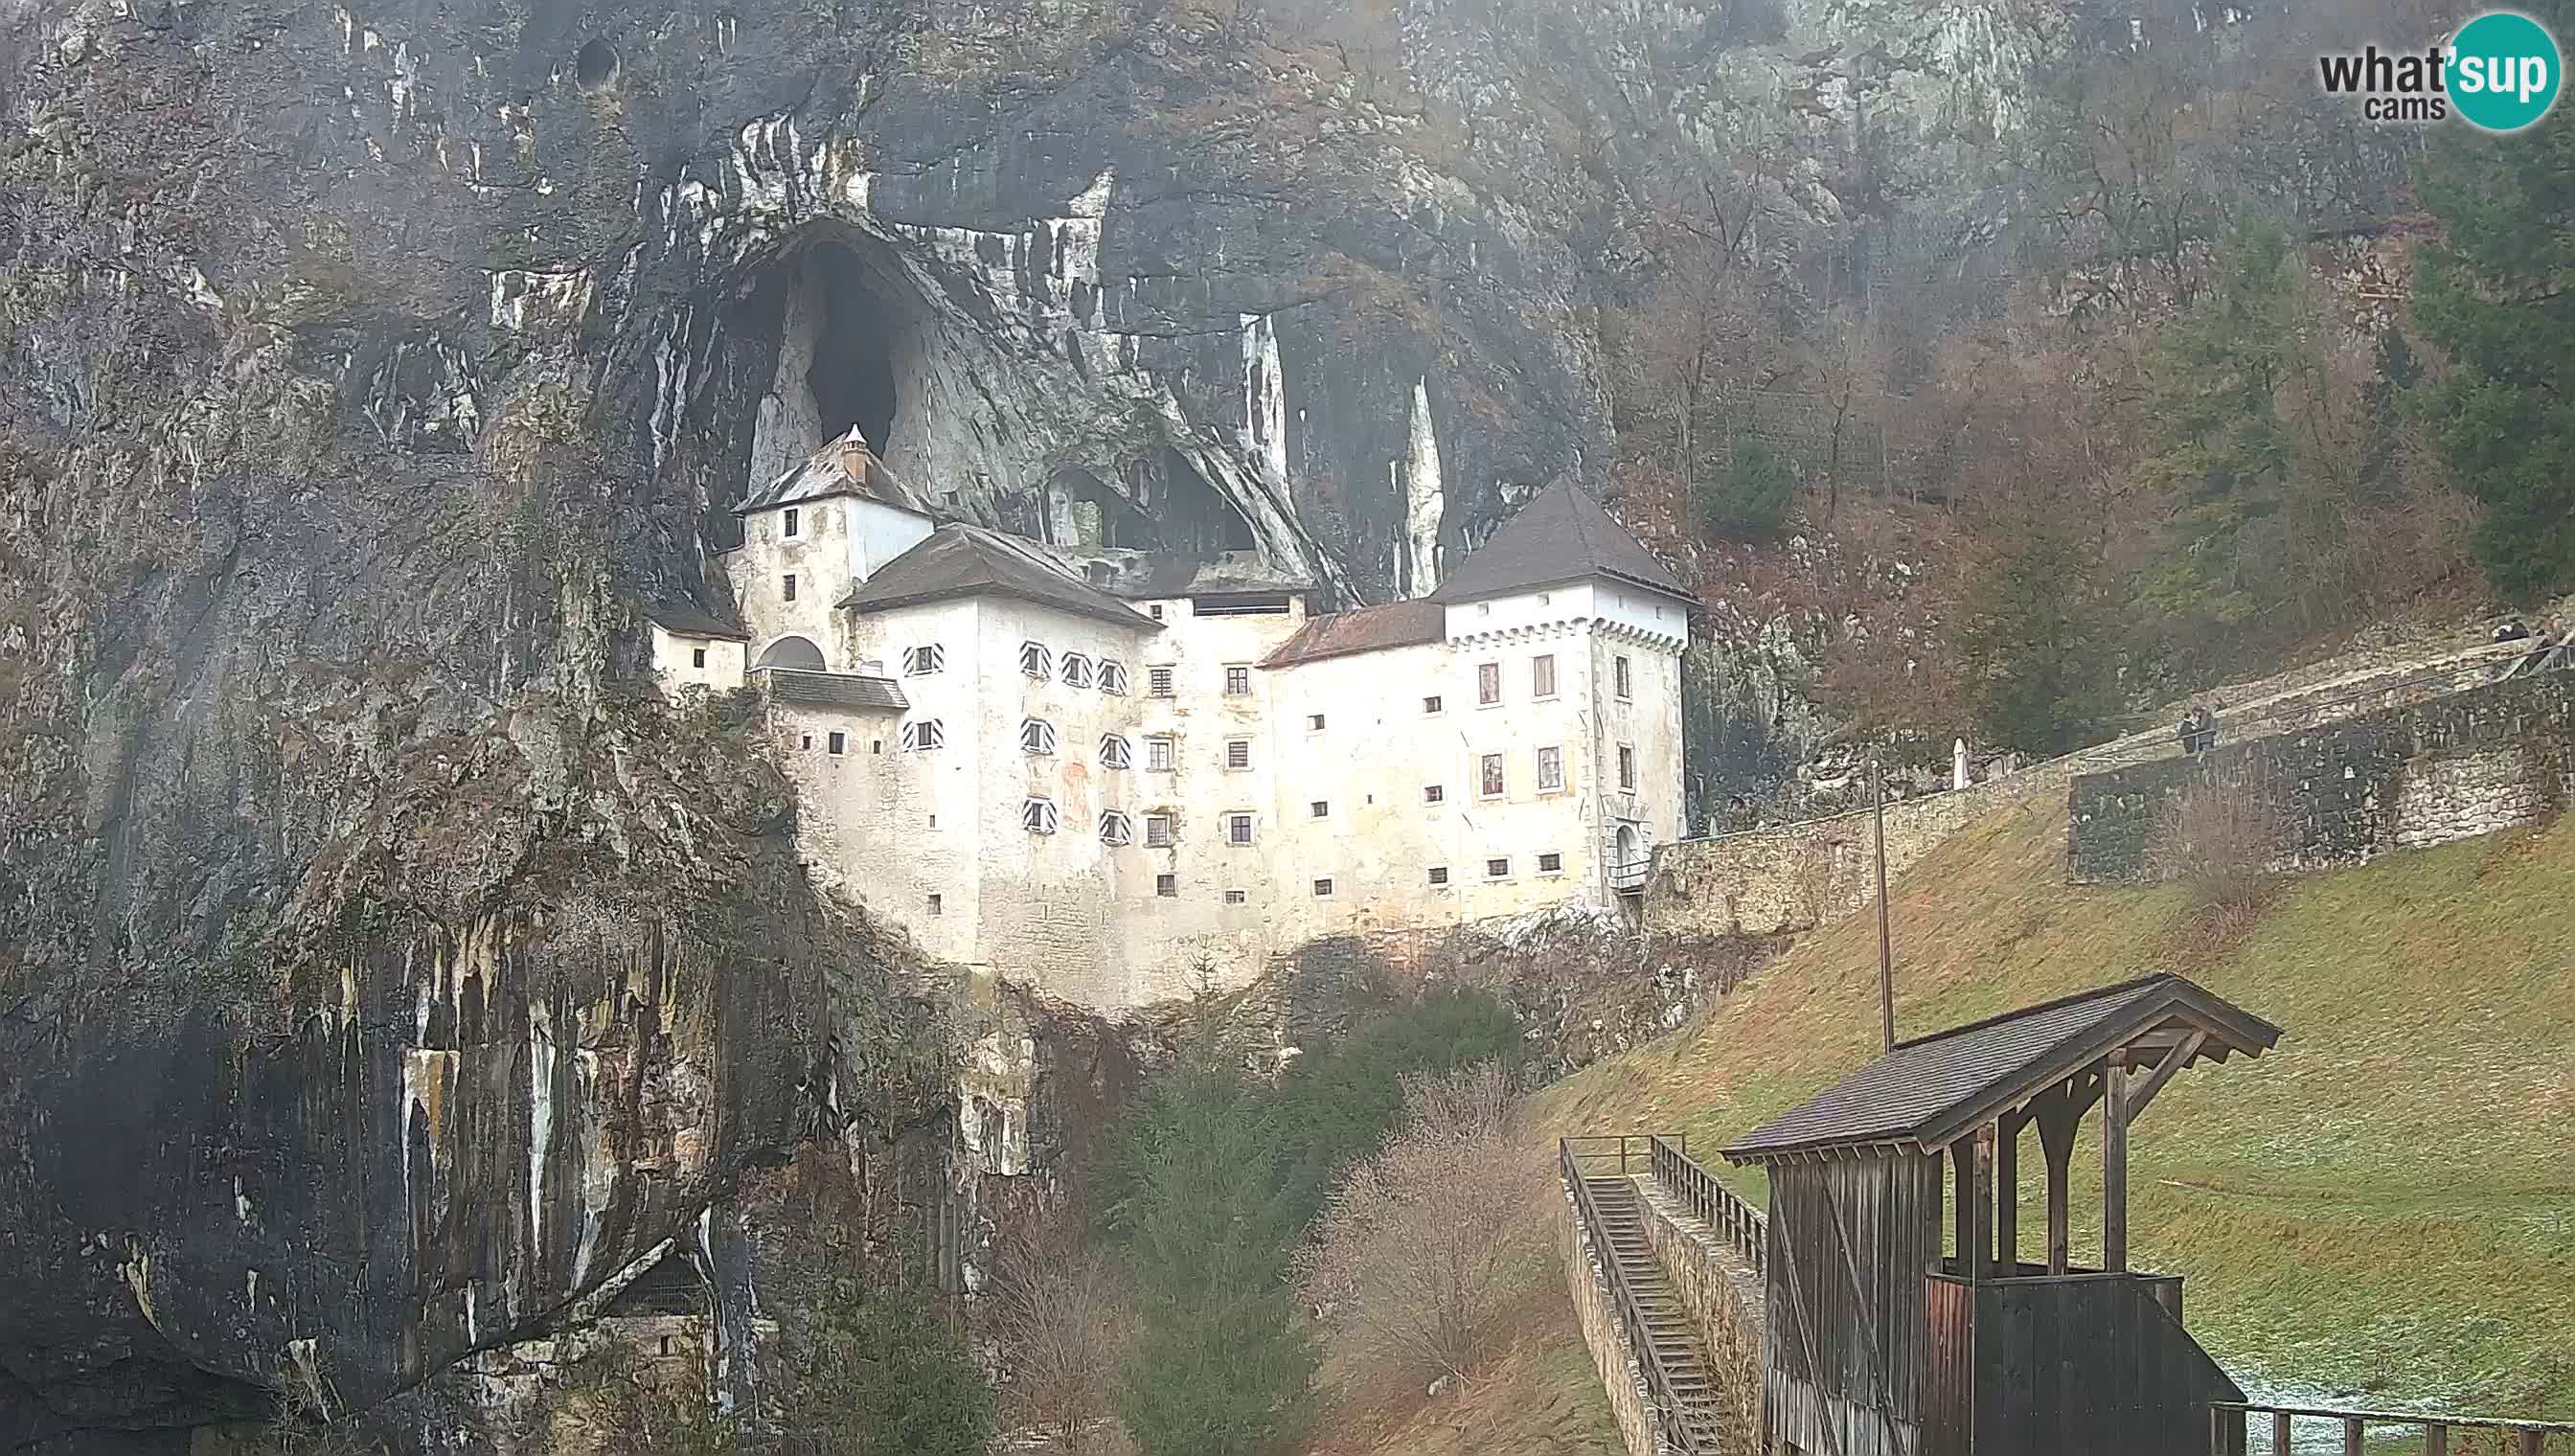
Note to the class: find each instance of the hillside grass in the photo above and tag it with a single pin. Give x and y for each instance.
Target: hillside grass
(2380, 1211)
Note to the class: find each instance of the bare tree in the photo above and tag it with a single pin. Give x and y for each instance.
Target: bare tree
(2223, 843)
(1063, 1322)
(1425, 1246)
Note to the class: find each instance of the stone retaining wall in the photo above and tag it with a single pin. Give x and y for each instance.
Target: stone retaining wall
(1799, 877)
(1722, 1294)
(1623, 1375)
(2469, 764)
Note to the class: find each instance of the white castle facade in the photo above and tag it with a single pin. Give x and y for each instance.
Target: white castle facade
(1110, 773)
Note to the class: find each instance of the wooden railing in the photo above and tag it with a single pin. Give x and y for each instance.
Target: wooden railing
(2228, 1422)
(1717, 1205)
(1659, 1378)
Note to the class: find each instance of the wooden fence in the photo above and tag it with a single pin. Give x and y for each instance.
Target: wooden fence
(1717, 1206)
(2229, 1423)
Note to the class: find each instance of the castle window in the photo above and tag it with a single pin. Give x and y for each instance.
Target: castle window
(933, 905)
(1551, 769)
(840, 743)
(1438, 876)
(1497, 869)
(1114, 753)
(1036, 736)
(1238, 896)
(1430, 703)
(806, 741)
(1035, 660)
(1157, 609)
(788, 588)
(1322, 889)
(1238, 829)
(1167, 885)
(697, 657)
(791, 522)
(1314, 723)
(1489, 684)
(1542, 675)
(920, 661)
(1157, 831)
(1160, 679)
(1550, 865)
(1159, 753)
(1489, 776)
(1237, 682)
(1038, 815)
(1432, 793)
(1114, 828)
(1113, 677)
(922, 736)
(1619, 674)
(1322, 807)
(1626, 768)
(1076, 671)
(1237, 752)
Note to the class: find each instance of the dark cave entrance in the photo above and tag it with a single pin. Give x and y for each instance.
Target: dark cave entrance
(1195, 516)
(857, 338)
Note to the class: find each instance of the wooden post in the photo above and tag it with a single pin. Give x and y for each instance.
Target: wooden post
(2280, 1434)
(2114, 1166)
(2351, 1434)
(2057, 1115)
(2436, 1440)
(2530, 1442)
(1885, 945)
(1971, 1171)
(2007, 1196)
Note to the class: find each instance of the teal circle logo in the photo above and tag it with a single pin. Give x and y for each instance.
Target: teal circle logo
(2503, 71)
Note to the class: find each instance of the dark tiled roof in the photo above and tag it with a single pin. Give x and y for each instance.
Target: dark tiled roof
(1396, 624)
(846, 467)
(1927, 1091)
(690, 620)
(835, 689)
(967, 560)
(1560, 535)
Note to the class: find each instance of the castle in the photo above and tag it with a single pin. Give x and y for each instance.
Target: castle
(1107, 773)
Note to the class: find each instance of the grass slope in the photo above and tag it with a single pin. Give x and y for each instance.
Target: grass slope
(2383, 1207)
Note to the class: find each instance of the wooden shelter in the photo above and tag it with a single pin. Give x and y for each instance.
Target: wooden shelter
(1880, 1342)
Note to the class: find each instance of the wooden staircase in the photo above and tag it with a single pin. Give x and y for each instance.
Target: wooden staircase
(1676, 1362)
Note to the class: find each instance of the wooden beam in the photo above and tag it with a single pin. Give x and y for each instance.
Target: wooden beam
(1973, 1161)
(2174, 1061)
(2007, 1196)
(2058, 1114)
(2114, 1169)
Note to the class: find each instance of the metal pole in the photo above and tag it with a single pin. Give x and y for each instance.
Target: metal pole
(1885, 945)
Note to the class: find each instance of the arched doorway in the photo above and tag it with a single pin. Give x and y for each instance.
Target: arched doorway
(1629, 851)
(792, 652)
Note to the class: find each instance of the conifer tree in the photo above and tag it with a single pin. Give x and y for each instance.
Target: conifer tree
(2498, 293)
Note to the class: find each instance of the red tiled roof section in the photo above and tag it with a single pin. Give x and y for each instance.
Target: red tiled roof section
(1396, 624)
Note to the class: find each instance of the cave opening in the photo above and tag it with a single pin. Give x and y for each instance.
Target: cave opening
(1195, 516)
(857, 337)
(1088, 512)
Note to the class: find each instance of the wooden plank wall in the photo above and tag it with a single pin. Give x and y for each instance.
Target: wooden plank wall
(2087, 1366)
(1850, 1242)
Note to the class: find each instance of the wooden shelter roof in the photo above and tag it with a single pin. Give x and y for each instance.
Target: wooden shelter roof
(1931, 1090)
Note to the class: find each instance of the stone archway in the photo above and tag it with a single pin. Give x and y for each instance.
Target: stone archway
(792, 652)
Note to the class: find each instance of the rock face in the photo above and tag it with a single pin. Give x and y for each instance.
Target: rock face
(380, 970)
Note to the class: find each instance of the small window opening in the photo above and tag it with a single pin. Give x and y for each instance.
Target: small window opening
(1322, 807)
(1439, 874)
(933, 905)
(1238, 896)
(788, 588)
(1167, 885)
(793, 521)
(839, 742)
(697, 657)
(1550, 865)
(1322, 889)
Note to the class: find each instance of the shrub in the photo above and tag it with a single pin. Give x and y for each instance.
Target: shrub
(1425, 1247)
(1747, 499)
